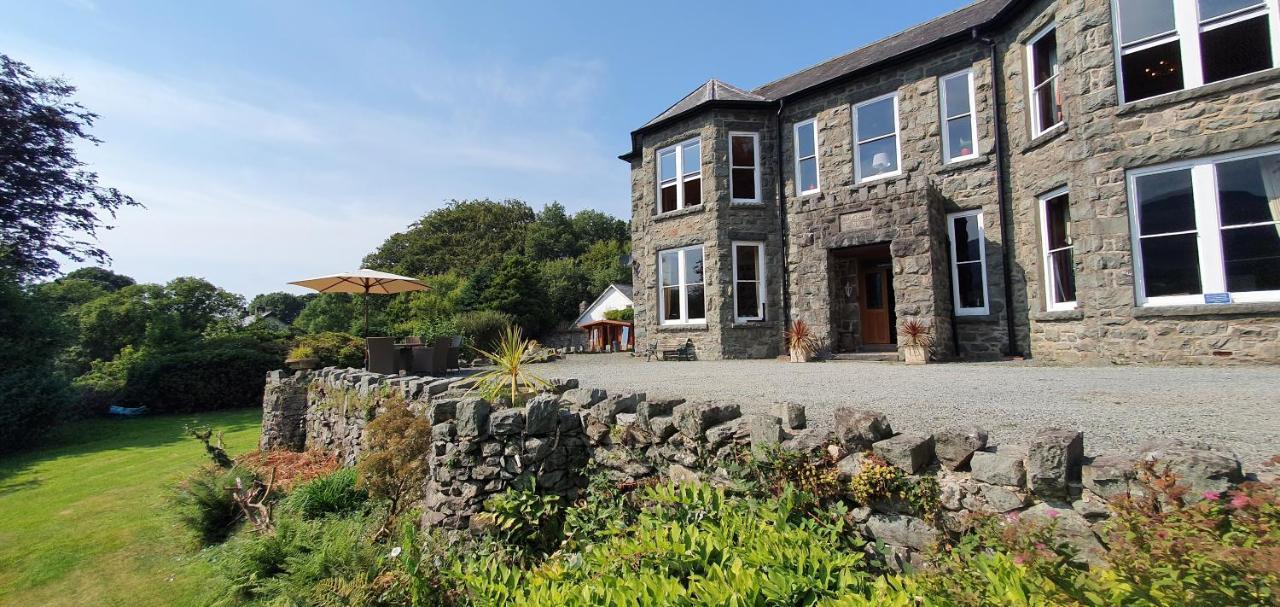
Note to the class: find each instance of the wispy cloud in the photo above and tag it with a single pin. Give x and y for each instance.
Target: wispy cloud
(251, 183)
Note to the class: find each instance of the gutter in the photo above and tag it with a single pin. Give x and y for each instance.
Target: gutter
(1002, 203)
(783, 227)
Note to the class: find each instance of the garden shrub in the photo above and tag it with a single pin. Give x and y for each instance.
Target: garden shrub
(393, 465)
(204, 504)
(290, 468)
(202, 378)
(482, 328)
(1221, 550)
(526, 521)
(334, 349)
(626, 314)
(335, 493)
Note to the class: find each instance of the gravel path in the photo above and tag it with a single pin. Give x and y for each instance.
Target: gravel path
(1118, 408)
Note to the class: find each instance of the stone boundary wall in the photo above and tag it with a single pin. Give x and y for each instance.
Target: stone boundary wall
(481, 449)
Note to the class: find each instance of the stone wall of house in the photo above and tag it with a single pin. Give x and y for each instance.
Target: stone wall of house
(480, 450)
(1089, 155)
(907, 211)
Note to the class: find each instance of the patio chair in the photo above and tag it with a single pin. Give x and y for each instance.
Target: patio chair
(455, 353)
(684, 352)
(380, 355)
(440, 352)
(430, 359)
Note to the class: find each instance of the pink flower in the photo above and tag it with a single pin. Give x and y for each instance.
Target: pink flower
(1039, 546)
(1212, 496)
(1019, 559)
(1012, 517)
(1052, 513)
(1239, 501)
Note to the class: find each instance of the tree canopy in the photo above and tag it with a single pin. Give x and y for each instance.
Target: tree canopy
(50, 204)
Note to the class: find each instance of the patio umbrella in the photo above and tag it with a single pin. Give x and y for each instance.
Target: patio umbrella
(363, 281)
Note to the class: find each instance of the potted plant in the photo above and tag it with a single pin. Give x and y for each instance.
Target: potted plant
(801, 342)
(919, 337)
(302, 357)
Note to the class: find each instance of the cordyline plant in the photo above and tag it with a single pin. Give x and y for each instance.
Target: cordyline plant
(800, 338)
(512, 358)
(917, 332)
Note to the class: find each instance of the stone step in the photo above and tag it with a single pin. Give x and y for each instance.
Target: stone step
(866, 356)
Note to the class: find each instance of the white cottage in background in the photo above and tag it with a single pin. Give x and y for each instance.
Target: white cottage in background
(603, 333)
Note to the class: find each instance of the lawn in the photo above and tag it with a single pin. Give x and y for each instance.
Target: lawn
(85, 519)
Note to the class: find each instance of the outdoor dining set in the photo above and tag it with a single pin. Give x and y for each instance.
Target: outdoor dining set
(411, 356)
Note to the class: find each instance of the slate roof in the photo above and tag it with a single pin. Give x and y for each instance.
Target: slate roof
(711, 90)
(952, 26)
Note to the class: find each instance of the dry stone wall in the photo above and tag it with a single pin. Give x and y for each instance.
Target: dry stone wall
(481, 449)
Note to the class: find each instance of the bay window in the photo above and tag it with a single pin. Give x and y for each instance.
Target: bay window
(959, 120)
(806, 137)
(680, 176)
(1208, 230)
(1043, 68)
(744, 167)
(748, 281)
(968, 262)
(875, 128)
(1058, 248)
(680, 286)
(1170, 45)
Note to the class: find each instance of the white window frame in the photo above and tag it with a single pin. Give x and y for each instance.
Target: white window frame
(973, 115)
(680, 179)
(761, 281)
(955, 264)
(684, 287)
(817, 166)
(1033, 100)
(755, 166)
(1204, 192)
(1187, 29)
(897, 140)
(1050, 272)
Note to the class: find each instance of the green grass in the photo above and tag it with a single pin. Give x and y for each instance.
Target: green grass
(85, 520)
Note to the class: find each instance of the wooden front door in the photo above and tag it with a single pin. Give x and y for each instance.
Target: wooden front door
(874, 303)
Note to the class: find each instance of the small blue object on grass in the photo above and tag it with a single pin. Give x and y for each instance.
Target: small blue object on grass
(127, 411)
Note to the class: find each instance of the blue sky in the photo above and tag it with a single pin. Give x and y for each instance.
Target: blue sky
(272, 141)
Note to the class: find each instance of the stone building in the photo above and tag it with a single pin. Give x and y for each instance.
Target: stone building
(1080, 181)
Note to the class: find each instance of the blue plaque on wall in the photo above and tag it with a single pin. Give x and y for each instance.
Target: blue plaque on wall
(1217, 298)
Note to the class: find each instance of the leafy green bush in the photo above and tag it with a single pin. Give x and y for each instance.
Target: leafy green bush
(332, 494)
(34, 396)
(334, 349)
(692, 545)
(203, 502)
(529, 522)
(628, 314)
(483, 328)
(430, 329)
(203, 378)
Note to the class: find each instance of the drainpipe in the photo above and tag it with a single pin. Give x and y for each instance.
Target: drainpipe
(782, 219)
(1006, 227)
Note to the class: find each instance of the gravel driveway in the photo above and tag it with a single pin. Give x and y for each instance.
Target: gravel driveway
(1116, 407)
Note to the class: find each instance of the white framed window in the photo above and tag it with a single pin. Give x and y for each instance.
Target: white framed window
(1207, 230)
(1042, 74)
(968, 262)
(1059, 250)
(806, 138)
(959, 119)
(681, 291)
(1164, 46)
(748, 281)
(680, 176)
(875, 139)
(744, 167)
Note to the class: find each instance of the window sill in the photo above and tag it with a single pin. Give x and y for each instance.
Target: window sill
(754, 324)
(1270, 308)
(746, 204)
(1045, 137)
(866, 185)
(960, 165)
(1057, 315)
(682, 328)
(679, 212)
(1207, 90)
(977, 318)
